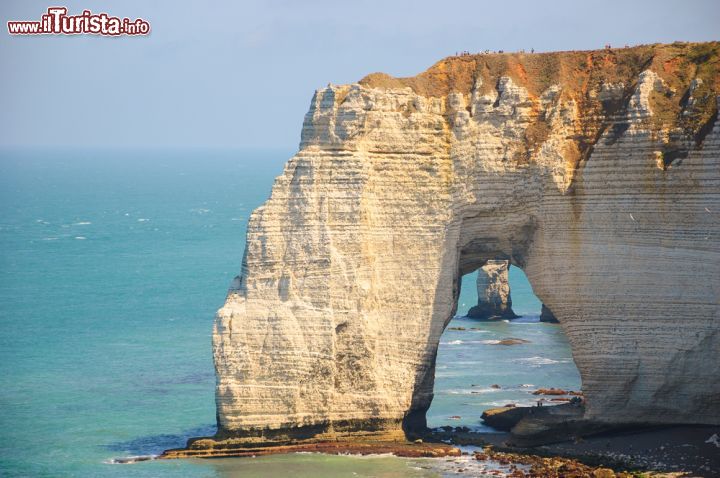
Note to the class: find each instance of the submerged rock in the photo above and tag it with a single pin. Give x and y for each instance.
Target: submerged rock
(511, 341)
(551, 391)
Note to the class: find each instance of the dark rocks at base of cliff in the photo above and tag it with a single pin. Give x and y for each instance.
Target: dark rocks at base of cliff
(211, 448)
(527, 465)
(540, 425)
(546, 315)
(504, 418)
(491, 312)
(686, 450)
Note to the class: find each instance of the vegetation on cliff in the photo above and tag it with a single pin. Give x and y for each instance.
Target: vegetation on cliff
(684, 108)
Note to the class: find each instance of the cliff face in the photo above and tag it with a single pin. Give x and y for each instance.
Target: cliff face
(598, 173)
(493, 290)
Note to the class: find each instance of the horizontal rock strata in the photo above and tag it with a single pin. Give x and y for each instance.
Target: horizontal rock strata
(597, 173)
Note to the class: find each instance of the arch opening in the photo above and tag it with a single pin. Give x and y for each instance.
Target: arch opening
(492, 354)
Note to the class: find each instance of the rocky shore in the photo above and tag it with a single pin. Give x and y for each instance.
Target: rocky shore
(685, 451)
(540, 441)
(211, 448)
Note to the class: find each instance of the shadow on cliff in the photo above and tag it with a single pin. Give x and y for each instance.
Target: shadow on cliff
(156, 444)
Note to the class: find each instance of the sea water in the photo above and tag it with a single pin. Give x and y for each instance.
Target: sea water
(112, 265)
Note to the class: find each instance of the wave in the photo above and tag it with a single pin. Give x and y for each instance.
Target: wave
(471, 391)
(538, 361)
(502, 403)
(142, 219)
(80, 238)
(82, 223)
(127, 460)
(469, 342)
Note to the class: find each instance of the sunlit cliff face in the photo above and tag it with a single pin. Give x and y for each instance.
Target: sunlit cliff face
(595, 172)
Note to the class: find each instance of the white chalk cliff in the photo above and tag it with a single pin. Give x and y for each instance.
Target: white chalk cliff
(597, 173)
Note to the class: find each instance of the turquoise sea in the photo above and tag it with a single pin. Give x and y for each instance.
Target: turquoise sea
(112, 265)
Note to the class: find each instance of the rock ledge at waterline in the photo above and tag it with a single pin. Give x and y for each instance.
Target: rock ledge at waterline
(596, 172)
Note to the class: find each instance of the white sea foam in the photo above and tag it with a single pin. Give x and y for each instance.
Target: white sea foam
(142, 219)
(538, 361)
(465, 342)
(80, 238)
(49, 238)
(490, 342)
(454, 392)
(82, 223)
(127, 460)
(502, 403)
(447, 374)
(486, 390)
(470, 391)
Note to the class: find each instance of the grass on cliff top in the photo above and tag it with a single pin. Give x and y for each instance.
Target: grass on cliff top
(580, 75)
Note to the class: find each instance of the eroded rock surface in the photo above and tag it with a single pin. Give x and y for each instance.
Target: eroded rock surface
(493, 289)
(597, 173)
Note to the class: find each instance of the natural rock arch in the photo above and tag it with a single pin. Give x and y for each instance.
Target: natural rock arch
(607, 208)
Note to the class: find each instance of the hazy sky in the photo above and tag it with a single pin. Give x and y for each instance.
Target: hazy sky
(241, 74)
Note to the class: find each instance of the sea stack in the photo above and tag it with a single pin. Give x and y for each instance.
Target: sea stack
(546, 315)
(493, 290)
(596, 172)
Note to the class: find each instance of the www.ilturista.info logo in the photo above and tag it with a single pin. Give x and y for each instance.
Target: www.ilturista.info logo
(58, 22)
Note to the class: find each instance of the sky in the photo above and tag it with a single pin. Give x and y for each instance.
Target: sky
(233, 75)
